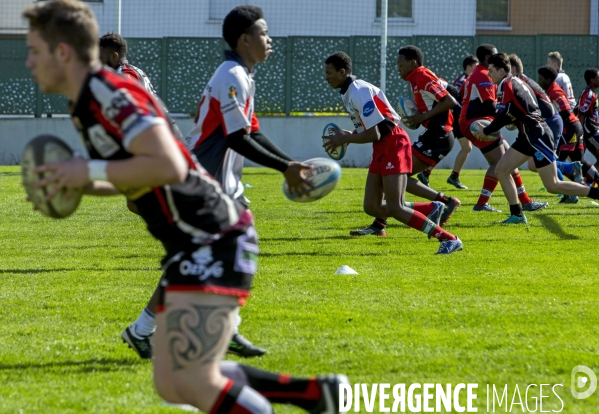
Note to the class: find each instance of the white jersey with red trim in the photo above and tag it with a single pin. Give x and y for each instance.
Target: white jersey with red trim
(226, 106)
(367, 105)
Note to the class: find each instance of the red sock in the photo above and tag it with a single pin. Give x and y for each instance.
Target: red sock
(240, 399)
(419, 222)
(489, 185)
(522, 196)
(442, 198)
(424, 208)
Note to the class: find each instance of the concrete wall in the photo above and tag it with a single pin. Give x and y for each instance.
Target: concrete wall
(300, 137)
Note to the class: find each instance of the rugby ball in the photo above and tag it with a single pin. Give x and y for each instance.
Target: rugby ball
(46, 149)
(479, 125)
(336, 153)
(324, 176)
(407, 107)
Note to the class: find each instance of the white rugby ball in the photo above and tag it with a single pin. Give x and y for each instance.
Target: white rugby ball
(479, 125)
(407, 107)
(336, 153)
(46, 149)
(324, 176)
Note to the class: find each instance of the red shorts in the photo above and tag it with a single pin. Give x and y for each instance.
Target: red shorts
(392, 154)
(465, 128)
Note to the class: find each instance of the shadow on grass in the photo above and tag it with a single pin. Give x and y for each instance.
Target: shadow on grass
(291, 239)
(92, 365)
(77, 269)
(8, 174)
(332, 254)
(554, 227)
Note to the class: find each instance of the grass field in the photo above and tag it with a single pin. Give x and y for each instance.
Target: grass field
(518, 306)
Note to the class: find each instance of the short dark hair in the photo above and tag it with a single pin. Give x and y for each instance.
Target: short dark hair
(68, 21)
(340, 61)
(238, 22)
(589, 74)
(483, 50)
(548, 73)
(500, 61)
(515, 62)
(412, 52)
(115, 43)
(469, 61)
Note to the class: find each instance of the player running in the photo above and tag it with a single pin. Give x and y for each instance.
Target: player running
(209, 239)
(376, 122)
(516, 103)
(587, 113)
(479, 104)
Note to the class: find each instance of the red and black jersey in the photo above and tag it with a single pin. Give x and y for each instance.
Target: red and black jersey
(545, 105)
(561, 102)
(587, 106)
(110, 114)
(478, 93)
(516, 99)
(428, 90)
(459, 81)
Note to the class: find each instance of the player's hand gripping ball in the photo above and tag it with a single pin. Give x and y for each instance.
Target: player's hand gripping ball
(407, 107)
(336, 153)
(478, 126)
(47, 149)
(324, 177)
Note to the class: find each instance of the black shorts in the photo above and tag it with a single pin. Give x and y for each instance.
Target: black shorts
(591, 142)
(432, 146)
(224, 267)
(537, 146)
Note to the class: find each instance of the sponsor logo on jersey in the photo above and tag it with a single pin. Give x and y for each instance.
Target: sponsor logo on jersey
(232, 92)
(389, 166)
(485, 84)
(203, 264)
(368, 108)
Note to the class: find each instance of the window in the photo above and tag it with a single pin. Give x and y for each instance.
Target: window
(492, 14)
(396, 9)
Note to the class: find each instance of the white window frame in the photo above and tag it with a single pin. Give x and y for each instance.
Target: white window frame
(495, 25)
(394, 20)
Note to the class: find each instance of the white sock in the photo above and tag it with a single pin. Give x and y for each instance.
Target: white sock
(145, 324)
(238, 321)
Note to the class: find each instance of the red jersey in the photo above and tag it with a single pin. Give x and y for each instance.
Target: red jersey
(477, 89)
(560, 101)
(428, 90)
(587, 105)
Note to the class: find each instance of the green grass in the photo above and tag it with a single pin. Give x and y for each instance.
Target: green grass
(518, 306)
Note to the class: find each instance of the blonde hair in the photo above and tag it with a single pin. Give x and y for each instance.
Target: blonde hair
(66, 21)
(516, 63)
(556, 58)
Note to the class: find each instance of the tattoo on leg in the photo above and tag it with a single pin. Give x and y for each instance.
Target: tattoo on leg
(194, 333)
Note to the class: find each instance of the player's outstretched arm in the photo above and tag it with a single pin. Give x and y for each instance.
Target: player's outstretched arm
(270, 146)
(101, 188)
(245, 145)
(156, 161)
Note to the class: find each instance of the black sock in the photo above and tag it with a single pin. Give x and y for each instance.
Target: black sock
(454, 175)
(251, 401)
(594, 193)
(379, 223)
(283, 389)
(427, 172)
(516, 210)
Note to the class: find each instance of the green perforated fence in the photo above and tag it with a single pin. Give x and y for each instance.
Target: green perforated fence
(292, 80)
